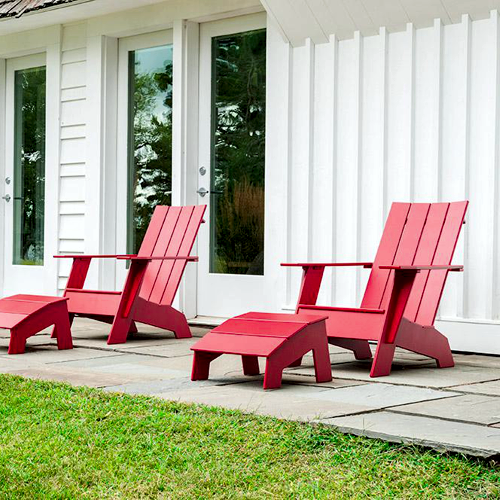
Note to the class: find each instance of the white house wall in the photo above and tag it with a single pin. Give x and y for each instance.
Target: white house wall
(406, 116)
(72, 208)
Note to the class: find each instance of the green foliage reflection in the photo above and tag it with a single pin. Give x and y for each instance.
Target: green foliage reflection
(29, 166)
(150, 129)
(238, 149)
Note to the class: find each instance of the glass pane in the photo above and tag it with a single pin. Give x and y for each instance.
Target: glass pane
(29, 166)
(238, 147)
(150, 140)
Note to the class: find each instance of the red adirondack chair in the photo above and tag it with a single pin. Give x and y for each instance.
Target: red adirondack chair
(152, 281)
(404, 289)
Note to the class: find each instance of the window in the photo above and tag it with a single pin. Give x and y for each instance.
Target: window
(150, 138)
(238, 153)
(29, 166)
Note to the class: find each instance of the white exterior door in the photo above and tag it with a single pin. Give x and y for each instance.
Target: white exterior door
(231, 167)
(27, 261)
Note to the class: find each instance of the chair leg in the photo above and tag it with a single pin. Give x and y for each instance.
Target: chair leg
(382, 362)
(273, 374)
(250, 365)
(201, 364)
(133, 328)
(425, 340)
(178, 324)
(361, 348)
(119, 330)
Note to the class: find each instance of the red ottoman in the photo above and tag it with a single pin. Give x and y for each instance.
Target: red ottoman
(26, 315)
(280, 338)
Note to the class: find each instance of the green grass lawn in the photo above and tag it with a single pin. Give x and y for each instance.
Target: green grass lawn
(57, 441)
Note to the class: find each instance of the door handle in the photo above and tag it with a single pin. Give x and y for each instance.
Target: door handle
(203, 192)
(7, 198)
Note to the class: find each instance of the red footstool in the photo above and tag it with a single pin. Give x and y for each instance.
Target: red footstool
(280, 338)
(26, 315)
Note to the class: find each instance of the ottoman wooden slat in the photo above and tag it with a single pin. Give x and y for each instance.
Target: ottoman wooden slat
(280, 338)
(26, 315)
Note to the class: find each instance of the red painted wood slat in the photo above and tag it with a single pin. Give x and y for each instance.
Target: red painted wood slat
(170, 287)
(444, 254)
(10, 320)
(238, 344)
(385, 255)
(425, 255)
(173, 248)
(307, 319)
(263, 328)
(408, 244)
(148, 243)
(164, 232)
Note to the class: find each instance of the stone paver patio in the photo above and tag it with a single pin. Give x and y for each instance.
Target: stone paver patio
(455, 409)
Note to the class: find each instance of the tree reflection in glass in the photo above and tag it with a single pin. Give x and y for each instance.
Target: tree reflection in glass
(29, 166)
(150, 138)
(238, 153)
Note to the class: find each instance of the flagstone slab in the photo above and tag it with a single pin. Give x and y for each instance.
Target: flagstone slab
(51, 354)
(156, 387)
(290, 402)
(489, 388)
(414, 374)
(135, 367)
(469, 408)
(477, 360)
(379, 396)
(73, 377)
(167, 349)
(443, 435)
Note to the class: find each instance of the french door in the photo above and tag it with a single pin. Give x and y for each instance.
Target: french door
(144, 155)
(26, 259)
(232, 166)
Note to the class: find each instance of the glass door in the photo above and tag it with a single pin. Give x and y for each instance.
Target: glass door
(232, 166)
(25, 188)
(144, 135)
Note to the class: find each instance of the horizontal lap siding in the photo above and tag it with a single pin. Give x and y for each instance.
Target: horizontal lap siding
(405, 116)
(73, 146)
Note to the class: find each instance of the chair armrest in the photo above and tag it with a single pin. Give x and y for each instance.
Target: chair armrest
(367, 265)
(424, 268)
(83, 256)
(136, 258)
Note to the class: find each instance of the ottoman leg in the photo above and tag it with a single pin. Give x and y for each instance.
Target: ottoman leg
(321, 355)
(250, 365)
(17, 344)
(297, 362)
(62, 328)
(322, 367)
(273, 375)
(201, 364)
(53, 335)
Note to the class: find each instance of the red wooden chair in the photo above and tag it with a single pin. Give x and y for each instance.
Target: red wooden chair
(404, 289)
(152, 281)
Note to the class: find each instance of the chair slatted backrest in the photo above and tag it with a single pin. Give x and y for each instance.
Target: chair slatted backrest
(416, 234)
(171, 232)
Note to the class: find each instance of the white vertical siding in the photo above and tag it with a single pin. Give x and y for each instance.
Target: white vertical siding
(73, 122)
(406, 116)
